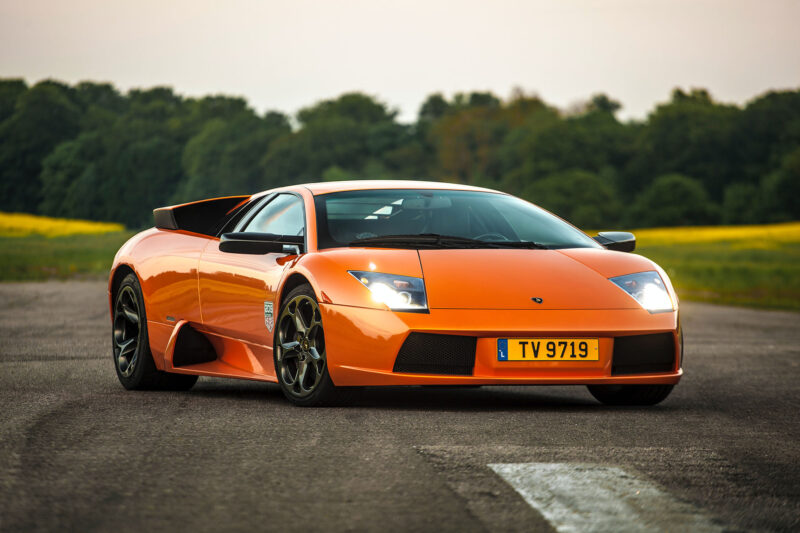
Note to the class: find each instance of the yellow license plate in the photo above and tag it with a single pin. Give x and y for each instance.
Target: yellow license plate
(547, 349)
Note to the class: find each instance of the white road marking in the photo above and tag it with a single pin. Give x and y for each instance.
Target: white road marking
(588, 497)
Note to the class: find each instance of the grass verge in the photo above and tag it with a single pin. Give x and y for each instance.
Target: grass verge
(35, 257)
(756, 266)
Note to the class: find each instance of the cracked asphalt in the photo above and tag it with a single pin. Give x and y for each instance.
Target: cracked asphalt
(78, 452)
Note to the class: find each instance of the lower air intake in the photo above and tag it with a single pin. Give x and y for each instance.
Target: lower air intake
(428, 353)
(643, 354)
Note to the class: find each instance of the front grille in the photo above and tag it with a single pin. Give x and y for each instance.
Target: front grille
(643, 354)
(428, 353)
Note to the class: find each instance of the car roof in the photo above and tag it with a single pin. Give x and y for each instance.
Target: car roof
(361, 185)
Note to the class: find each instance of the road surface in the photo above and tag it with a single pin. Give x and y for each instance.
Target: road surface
(78, 452)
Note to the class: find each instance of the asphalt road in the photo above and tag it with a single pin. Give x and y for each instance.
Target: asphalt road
(78, 452)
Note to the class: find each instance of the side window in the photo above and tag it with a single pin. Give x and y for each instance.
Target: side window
(283, 215)
(232, 219)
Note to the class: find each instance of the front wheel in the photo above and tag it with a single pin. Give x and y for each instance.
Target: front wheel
(630, 394)
(299, 354)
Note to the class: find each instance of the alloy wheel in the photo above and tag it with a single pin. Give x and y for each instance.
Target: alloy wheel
(300, 346)
(126, 331)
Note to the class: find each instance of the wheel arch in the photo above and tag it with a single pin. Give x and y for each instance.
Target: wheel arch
(119, 273)
(295, 279)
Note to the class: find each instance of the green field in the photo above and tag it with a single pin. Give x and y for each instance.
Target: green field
(721, 274)
(36, 257)
(37, 248)
(757, 266)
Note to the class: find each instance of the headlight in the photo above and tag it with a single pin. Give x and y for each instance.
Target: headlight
(648, 289)
(399, 293)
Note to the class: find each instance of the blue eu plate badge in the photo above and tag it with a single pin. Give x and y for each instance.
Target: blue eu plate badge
(502, 349)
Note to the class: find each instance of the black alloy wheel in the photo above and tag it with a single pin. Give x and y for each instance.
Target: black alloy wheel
(299, 354)
(133, 360)
(126, 331)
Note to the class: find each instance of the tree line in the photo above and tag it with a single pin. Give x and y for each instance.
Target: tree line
(90, 151)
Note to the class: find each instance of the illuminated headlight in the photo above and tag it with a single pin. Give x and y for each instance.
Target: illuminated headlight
(648, 289)
(398, 293)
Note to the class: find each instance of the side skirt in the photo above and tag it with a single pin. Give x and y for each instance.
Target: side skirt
(191, 350)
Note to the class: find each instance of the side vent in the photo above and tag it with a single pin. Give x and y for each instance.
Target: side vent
(428, 353)
(192, 348)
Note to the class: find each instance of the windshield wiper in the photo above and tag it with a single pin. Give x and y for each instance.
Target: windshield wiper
(435, 240)
(423, 240)
(519, 244)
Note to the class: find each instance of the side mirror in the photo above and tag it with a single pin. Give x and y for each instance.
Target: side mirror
(260, 243)
(621, 241)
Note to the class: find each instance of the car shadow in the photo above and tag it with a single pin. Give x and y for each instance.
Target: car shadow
(415, 398)
(464, 399)
(237, 389)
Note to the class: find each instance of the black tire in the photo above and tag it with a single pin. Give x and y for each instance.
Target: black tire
(133, 360)
(630, 394)
(297, 351)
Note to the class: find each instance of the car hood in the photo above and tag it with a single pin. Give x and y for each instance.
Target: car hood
(527, 279)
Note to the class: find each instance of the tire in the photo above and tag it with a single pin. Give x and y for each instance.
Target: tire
(133, 360)
(299, 344)
(630, 394)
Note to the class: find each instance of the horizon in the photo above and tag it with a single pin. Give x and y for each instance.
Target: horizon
(285, 56)
(400, 118)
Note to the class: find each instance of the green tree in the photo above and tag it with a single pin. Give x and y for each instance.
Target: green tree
(604, 104)
(126, 161)
(44, 116)
(742, 204)
(100, 103)
(673, 200)
(149, 171)
(781, 189)
(466, 142)
(224, 157)
(691, 135)
(305, 154)
(356, 107)
(88, 150)
(348, 132)
(433, 108)
(580, 197)
(767, 129)
(549, 143)
(62, 168)
(10, 91)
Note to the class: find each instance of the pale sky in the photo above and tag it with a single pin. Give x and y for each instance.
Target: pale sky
(284, 55)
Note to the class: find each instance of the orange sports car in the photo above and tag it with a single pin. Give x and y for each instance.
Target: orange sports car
(330, 286)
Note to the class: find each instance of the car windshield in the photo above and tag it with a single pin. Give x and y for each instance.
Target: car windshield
(411, 218)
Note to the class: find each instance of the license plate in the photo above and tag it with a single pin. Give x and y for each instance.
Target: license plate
(547, 349)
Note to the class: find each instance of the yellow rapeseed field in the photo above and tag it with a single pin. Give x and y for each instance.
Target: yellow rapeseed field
(21, 225)
(764, 236)
(743, 265)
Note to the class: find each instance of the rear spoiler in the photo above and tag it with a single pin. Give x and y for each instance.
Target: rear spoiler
(198, 217)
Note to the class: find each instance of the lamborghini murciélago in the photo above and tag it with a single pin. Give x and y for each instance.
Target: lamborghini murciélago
(330, 286)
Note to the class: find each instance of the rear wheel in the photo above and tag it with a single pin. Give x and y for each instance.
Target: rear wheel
(133, 360)
(300, 355)
(630, 394)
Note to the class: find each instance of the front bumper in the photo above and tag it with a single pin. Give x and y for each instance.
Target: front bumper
(362, 344)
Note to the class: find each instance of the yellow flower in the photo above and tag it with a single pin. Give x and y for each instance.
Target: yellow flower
(766, 236)
(20, 225)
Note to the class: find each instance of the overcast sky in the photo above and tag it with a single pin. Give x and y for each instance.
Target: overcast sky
(286, 55)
